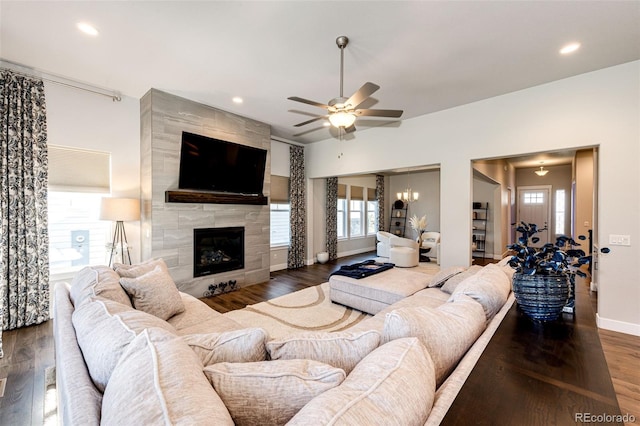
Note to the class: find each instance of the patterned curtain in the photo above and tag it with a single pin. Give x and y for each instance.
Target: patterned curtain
(24, 238)
(380, 200)
(332, 217)
(298, 202)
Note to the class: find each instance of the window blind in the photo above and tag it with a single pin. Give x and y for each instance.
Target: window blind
(279, 189)
(357, 193)
(78, 170)
(342, 190)
(371, 194)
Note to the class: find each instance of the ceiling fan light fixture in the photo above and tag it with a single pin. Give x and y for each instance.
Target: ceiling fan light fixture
(342, 119)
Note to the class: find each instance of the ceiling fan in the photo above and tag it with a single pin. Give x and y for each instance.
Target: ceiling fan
(341, 111)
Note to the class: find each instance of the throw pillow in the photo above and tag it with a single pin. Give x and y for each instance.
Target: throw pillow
(490, 287)
(159, 381)
(100, 281)
(134, 271)
(154, 293)
(394, 384)
(447, 331)
(453, 282)
(342, 349)
(270, 392)
(246, 345)
(444, 274)
(104, 329)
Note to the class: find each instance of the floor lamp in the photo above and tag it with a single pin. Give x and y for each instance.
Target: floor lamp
(120, 210)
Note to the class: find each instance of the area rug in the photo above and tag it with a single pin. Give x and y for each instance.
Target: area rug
(305, 310)
(309, 309)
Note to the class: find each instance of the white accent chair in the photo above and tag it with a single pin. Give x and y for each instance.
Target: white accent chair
(403, 252)
(431, 240)
(384, 244)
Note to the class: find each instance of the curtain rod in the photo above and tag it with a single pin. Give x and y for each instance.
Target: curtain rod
(28, 71)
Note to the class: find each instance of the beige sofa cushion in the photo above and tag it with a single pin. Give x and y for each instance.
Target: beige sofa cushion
(342, 349)
(490, 287)
(198, 318)
(444, 274)
(446, 331)
(159, 381)
(270, 392)
(93, 281)
(154, 293)
(134, 271)
(104, 329)
(452, 283)
(394, 384)
(245, 345)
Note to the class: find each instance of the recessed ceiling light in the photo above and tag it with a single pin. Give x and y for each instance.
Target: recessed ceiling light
(237, 100)
(569, 48)
(87, 29)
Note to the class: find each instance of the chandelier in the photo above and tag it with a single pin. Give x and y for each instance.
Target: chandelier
(408, 195)
(541, 172)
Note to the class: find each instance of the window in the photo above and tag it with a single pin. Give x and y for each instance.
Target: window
(280, 210)
(76, 236)
(356, 211)
(280, 228)
(560, 211)
(372, 212)
(342, 218)
(534, 198)
(372, 217)
(342, 211)
(78, 179)
(356, 215)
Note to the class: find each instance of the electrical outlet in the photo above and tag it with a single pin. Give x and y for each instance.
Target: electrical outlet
(619, 240)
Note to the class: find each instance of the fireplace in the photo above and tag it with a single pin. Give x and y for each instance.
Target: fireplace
(217, 250)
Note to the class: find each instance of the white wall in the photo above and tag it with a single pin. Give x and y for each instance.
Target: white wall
(427, 184)
(600, 108)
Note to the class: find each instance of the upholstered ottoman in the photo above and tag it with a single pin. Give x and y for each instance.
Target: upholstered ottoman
(374, 293)
(404, 257)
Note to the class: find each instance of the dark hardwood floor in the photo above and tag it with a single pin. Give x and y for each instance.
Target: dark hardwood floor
(29, 351)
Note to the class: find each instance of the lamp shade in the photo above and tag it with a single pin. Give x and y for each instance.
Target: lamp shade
(120, 209)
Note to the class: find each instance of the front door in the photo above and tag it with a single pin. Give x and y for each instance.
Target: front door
(534, 207)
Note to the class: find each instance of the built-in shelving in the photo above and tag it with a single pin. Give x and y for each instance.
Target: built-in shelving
(480, 216)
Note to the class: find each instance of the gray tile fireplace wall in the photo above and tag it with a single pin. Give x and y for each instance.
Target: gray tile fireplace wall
(167, 228)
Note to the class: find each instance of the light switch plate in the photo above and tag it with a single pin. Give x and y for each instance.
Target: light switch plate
(619, 240)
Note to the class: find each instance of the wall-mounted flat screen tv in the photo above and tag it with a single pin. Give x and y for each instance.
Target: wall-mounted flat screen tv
(209, 164)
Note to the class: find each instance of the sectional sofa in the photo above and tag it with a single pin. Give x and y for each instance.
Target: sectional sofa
(131, 349)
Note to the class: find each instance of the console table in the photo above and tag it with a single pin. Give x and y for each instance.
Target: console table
(539, 374)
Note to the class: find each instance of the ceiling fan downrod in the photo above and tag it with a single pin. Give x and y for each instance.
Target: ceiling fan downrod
(342, 42)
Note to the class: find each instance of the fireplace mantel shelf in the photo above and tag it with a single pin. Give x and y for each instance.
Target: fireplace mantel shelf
(182, 196)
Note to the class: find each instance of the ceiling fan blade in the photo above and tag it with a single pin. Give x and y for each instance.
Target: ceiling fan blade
(307, 101)
(362, 94)
(393, 113)
(350, 129)
(304, 123)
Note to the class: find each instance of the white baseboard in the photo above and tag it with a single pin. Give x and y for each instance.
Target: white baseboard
(278, 267)
(358, 251)
(619, 326)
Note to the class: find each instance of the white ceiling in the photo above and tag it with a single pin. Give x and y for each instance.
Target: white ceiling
(426, 56)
